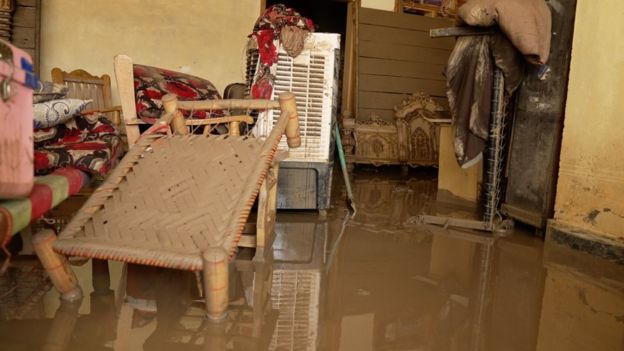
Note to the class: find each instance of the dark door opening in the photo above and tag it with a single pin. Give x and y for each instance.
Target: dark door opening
(329, 16)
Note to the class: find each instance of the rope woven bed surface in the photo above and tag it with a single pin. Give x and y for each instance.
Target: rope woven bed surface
(170, 198)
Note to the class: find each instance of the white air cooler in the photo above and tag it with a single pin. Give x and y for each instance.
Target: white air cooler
(305, 176)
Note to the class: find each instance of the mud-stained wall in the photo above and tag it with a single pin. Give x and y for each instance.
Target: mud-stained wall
(590, 190)
(204, 38)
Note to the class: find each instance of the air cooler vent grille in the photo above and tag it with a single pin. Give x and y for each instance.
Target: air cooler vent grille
(312, 77)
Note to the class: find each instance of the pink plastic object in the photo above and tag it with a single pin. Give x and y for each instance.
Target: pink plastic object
(16, 122)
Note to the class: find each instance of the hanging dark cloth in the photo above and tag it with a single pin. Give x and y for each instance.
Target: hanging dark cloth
(469, 89)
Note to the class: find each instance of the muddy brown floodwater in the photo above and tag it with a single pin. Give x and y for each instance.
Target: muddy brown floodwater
(367, 283)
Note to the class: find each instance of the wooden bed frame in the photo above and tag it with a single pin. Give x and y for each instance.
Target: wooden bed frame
(212, 260)
(256, 235)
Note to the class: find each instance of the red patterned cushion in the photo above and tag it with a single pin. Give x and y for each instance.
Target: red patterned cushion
(151, 84)
(89, 143)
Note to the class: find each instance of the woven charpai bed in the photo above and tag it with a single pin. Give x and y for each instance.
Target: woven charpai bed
(170, 198)
(179, 201)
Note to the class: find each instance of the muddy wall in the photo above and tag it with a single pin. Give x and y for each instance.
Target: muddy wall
(204, 38)
(591, 176)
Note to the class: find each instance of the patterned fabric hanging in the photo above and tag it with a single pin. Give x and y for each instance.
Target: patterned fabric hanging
(278, 23)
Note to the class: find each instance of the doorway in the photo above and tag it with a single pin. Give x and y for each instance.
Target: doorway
(329, 16)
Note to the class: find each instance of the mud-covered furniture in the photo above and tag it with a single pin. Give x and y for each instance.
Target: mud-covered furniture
(180, 200)
(392, 57)
(410, 139)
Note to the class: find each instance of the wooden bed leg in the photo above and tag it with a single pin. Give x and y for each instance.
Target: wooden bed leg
(56, 266)
(62, 327)
(261, 219)
(216, 283)
(265, 221)
(124, 327)
(100, 277)
(271, 207)
(216, 337)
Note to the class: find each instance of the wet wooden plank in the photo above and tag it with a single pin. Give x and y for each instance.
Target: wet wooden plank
(392, 68)
(404, 85)
(396, 58)
(368, 113)
(402, 52)
(24, 37)
(25, 16)
(403, 36)
(382, 101)
(459, 31)
(398, 20)
(31, 3)
(26, 28)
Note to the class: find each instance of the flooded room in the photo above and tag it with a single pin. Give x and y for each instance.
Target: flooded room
(327, 175)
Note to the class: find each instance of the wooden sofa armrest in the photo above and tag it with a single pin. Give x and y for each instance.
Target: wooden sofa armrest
(286, 104)
(115, 112)
(202, 122)
(233, 121)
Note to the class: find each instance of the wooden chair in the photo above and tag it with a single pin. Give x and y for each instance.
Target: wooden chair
(85, 86)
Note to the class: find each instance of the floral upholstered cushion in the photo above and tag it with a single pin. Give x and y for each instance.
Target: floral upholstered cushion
(51, 113)
(151, 84)
(89, 143)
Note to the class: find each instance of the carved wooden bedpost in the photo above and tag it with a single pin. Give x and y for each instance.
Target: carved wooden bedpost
(288, 105)
(170, 104)
(234, 128)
